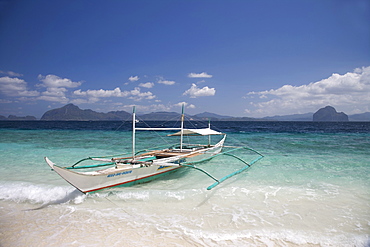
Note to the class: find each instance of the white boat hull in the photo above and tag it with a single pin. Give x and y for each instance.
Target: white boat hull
(86, 182)
(126, 175)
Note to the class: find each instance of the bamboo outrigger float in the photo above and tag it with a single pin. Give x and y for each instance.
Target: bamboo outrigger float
(146, 165)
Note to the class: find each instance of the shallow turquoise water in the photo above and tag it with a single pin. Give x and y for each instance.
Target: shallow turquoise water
(311, 188)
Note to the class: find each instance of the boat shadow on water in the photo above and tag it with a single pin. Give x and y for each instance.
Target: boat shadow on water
(68, 197)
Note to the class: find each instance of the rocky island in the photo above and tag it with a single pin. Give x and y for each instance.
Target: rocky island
(329, 114)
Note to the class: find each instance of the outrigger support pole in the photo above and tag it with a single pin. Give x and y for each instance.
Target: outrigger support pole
(234, 173)
(199, 169)
(218, 181)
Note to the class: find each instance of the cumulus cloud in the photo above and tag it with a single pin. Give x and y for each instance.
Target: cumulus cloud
(58, 92)
(101, 93)
(349, 93)
(53, 81)
(56, 88)
(11, 73)
(133, 78)
(147, 84)
(159, 107)
(5, 101)
(187, 105)
(82, 101)
(134, 94)
(54, 94)
(165, 82)
(137, 95)
(15, 87)
(200, 75)
(148, 108)
(60, 99)
(195, 91)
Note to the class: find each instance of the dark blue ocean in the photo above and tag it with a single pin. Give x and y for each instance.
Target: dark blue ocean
(312, 188)
(225, 126)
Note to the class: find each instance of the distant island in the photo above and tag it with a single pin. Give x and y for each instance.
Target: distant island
(329, 114)
(72, 112)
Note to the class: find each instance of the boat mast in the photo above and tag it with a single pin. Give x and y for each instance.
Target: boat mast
(133, 131)
(209, 127)
(182, 127)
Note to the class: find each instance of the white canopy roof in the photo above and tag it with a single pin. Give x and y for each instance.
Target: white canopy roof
(197, 132)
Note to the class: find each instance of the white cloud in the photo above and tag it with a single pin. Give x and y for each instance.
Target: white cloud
(133, 78)
(159, 107)
(15, 87)
(82, 101)
(194, 91)
(165, 82)
(349, 93)
(11, 73)
(137, 95)
(53, 81)
(89, 100)
(147, 84)
(5, 101)
(148, 108)
(57, 92)
(200, 75)
(56, 88)
(60, 99)
(54, 94)
(134, 94)
(187, 105)
(101, 93)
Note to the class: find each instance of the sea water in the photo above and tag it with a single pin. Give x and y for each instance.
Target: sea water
(312, 188)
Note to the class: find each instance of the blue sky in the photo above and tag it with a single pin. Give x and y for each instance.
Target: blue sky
(238, 58)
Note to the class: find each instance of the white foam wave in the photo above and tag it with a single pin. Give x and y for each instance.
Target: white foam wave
(155, 195)
(264, 237)
(229, 216)
(39, 193)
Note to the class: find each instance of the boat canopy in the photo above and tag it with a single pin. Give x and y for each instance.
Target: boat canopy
(197, 132)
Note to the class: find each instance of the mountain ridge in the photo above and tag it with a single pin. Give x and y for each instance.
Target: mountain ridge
(291, 117)
(71, 112)
(15, 118)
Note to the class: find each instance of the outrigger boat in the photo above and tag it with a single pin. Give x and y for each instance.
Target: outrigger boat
(148, 164)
